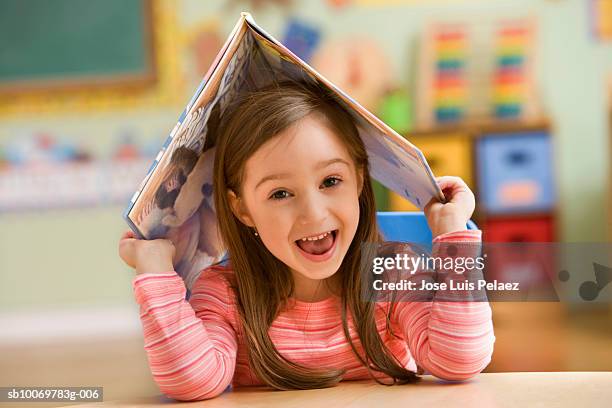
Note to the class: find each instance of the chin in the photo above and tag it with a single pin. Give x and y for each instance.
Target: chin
(320, 274)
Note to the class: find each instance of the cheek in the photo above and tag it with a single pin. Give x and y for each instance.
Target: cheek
(348, 206)
(275, 237)
(275, 225)
(354, 214)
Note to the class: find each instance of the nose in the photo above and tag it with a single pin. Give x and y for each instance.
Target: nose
(312, 209)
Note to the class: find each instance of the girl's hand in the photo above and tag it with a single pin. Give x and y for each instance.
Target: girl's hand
(146, 256)
(455, 213)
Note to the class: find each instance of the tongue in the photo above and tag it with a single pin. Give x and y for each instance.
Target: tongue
(317, 247)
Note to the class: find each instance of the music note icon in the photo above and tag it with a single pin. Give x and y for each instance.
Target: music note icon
(589, 290)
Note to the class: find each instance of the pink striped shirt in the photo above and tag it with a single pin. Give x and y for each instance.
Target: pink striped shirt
(196, 349)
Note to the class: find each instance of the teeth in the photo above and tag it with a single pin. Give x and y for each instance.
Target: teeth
(317, 237)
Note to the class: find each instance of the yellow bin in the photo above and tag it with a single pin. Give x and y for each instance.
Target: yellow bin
(447, 155)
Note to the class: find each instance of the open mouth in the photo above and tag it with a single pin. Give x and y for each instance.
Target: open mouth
(318, 247)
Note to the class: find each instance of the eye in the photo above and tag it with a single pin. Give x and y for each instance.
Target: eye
(279, 195)
(332, 181)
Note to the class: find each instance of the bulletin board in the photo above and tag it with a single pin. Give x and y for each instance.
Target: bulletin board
(74, 43)
(54, 55)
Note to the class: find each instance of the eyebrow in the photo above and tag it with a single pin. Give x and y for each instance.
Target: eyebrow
(320, 165)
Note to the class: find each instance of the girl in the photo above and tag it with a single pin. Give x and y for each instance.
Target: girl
(294, 202)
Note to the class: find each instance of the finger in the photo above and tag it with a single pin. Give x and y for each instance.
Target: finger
(451, 186)
(126, 243)
(430, 203)
(455, 190)
(457, 195)
(128, 234)
(126, 251)
(433, 202)
(450, 181)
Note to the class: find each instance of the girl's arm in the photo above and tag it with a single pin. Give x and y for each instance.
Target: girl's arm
(452, 340)
(191, 346)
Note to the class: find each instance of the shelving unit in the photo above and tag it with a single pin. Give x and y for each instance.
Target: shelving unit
(522, 152)
(526, 193)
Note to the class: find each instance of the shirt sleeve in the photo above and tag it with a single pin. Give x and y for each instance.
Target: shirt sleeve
(452, 340)
(191, 346)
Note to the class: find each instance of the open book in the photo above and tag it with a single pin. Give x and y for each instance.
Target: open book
(175, 200)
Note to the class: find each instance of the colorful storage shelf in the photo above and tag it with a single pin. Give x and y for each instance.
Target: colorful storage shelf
(508, 165)
(447, 154)
(511, 70)
(449, 74)
(520, 229)
(474, 68)
(515, 172)
(515, 185)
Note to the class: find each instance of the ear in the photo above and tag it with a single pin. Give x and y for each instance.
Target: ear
(359, 181)
(239, 209)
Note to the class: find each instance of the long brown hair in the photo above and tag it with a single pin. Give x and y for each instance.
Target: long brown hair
(263, 284)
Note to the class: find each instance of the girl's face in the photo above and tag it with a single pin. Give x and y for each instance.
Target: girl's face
(301, 191)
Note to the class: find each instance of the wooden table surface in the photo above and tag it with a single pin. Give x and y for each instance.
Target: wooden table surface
(558, 389)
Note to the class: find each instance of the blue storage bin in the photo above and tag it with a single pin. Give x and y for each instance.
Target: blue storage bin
(408, 226)
(515, 172)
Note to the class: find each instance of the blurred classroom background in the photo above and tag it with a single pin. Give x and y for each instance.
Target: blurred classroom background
(513, 96)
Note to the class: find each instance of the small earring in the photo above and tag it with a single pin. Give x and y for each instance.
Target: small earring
(255, 232)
